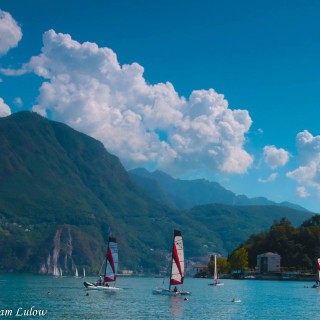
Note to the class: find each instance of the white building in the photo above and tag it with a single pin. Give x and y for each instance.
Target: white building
(268, 262)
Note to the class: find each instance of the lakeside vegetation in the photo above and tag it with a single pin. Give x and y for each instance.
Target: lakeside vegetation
(299, 248)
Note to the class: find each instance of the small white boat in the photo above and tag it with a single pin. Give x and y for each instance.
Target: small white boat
(177, 269)
(93, 286)
(110, 269)
(216, 281)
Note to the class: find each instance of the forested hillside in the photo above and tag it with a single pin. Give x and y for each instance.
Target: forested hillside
(62, 194)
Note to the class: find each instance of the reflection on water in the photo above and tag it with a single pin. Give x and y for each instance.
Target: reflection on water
(176, 307)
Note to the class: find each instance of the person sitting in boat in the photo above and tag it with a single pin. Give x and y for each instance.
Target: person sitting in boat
(107, 284)
(99, 282)
(175, 289)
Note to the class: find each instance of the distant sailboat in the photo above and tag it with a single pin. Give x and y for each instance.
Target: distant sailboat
(177, 268)
(76, 275)
(110, 269)
(56, 272)
(84, 272)
(215, 275)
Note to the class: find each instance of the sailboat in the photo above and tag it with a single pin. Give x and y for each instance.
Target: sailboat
(76, 274)
(177, 268)
(56, 272)
(110, 269)
(215, 275)
(84, 272)
(317, 284)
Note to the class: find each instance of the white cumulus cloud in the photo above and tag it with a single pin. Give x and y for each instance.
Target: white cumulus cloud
(10, 32)
(272, 177)
(87, 88)
(302, 192)
(308, 172)
(4, 109)
(274, 157)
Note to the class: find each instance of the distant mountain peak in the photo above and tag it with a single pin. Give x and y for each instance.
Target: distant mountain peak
(184, 194)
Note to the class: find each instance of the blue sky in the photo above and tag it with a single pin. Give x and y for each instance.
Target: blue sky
(224, 90)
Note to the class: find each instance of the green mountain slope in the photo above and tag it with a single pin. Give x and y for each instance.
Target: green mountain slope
(53, 176)
(62, 194)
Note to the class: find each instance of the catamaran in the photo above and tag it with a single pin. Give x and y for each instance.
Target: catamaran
(110, 269)
(317, 284)
(216, 281)
(177, 269)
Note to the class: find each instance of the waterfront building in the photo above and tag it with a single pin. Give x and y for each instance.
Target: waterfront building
(268, 262)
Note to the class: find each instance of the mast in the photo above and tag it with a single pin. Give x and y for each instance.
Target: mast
(171, 259)
(215, 275)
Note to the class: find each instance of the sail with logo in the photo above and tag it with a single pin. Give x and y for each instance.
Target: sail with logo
(176, 269)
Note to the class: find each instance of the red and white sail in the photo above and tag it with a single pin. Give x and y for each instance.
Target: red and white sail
(177, 263)
(319, 269)
(111, 265)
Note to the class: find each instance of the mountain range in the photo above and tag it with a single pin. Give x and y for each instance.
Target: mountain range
(62, 194)
(185, 194)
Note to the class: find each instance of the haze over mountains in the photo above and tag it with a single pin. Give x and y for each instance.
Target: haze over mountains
(185, 194)
(62, 194)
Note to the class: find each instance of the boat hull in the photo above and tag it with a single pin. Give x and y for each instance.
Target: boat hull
(166, 292)
(185, 293)
(92, 286)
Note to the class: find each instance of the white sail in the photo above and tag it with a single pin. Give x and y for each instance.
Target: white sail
(216, 281)
(177, 268)
(56, 272)
(177, 263)
(215, 275)
(84, 272)
(77, 274)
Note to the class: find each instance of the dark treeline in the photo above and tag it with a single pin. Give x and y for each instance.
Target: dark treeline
(298, 247)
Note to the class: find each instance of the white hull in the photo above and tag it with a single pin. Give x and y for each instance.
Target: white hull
(216, 284)
(185, 293)
(92, 286)
(166, 292)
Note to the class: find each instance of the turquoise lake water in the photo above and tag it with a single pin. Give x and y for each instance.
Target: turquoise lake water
(68, 299)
